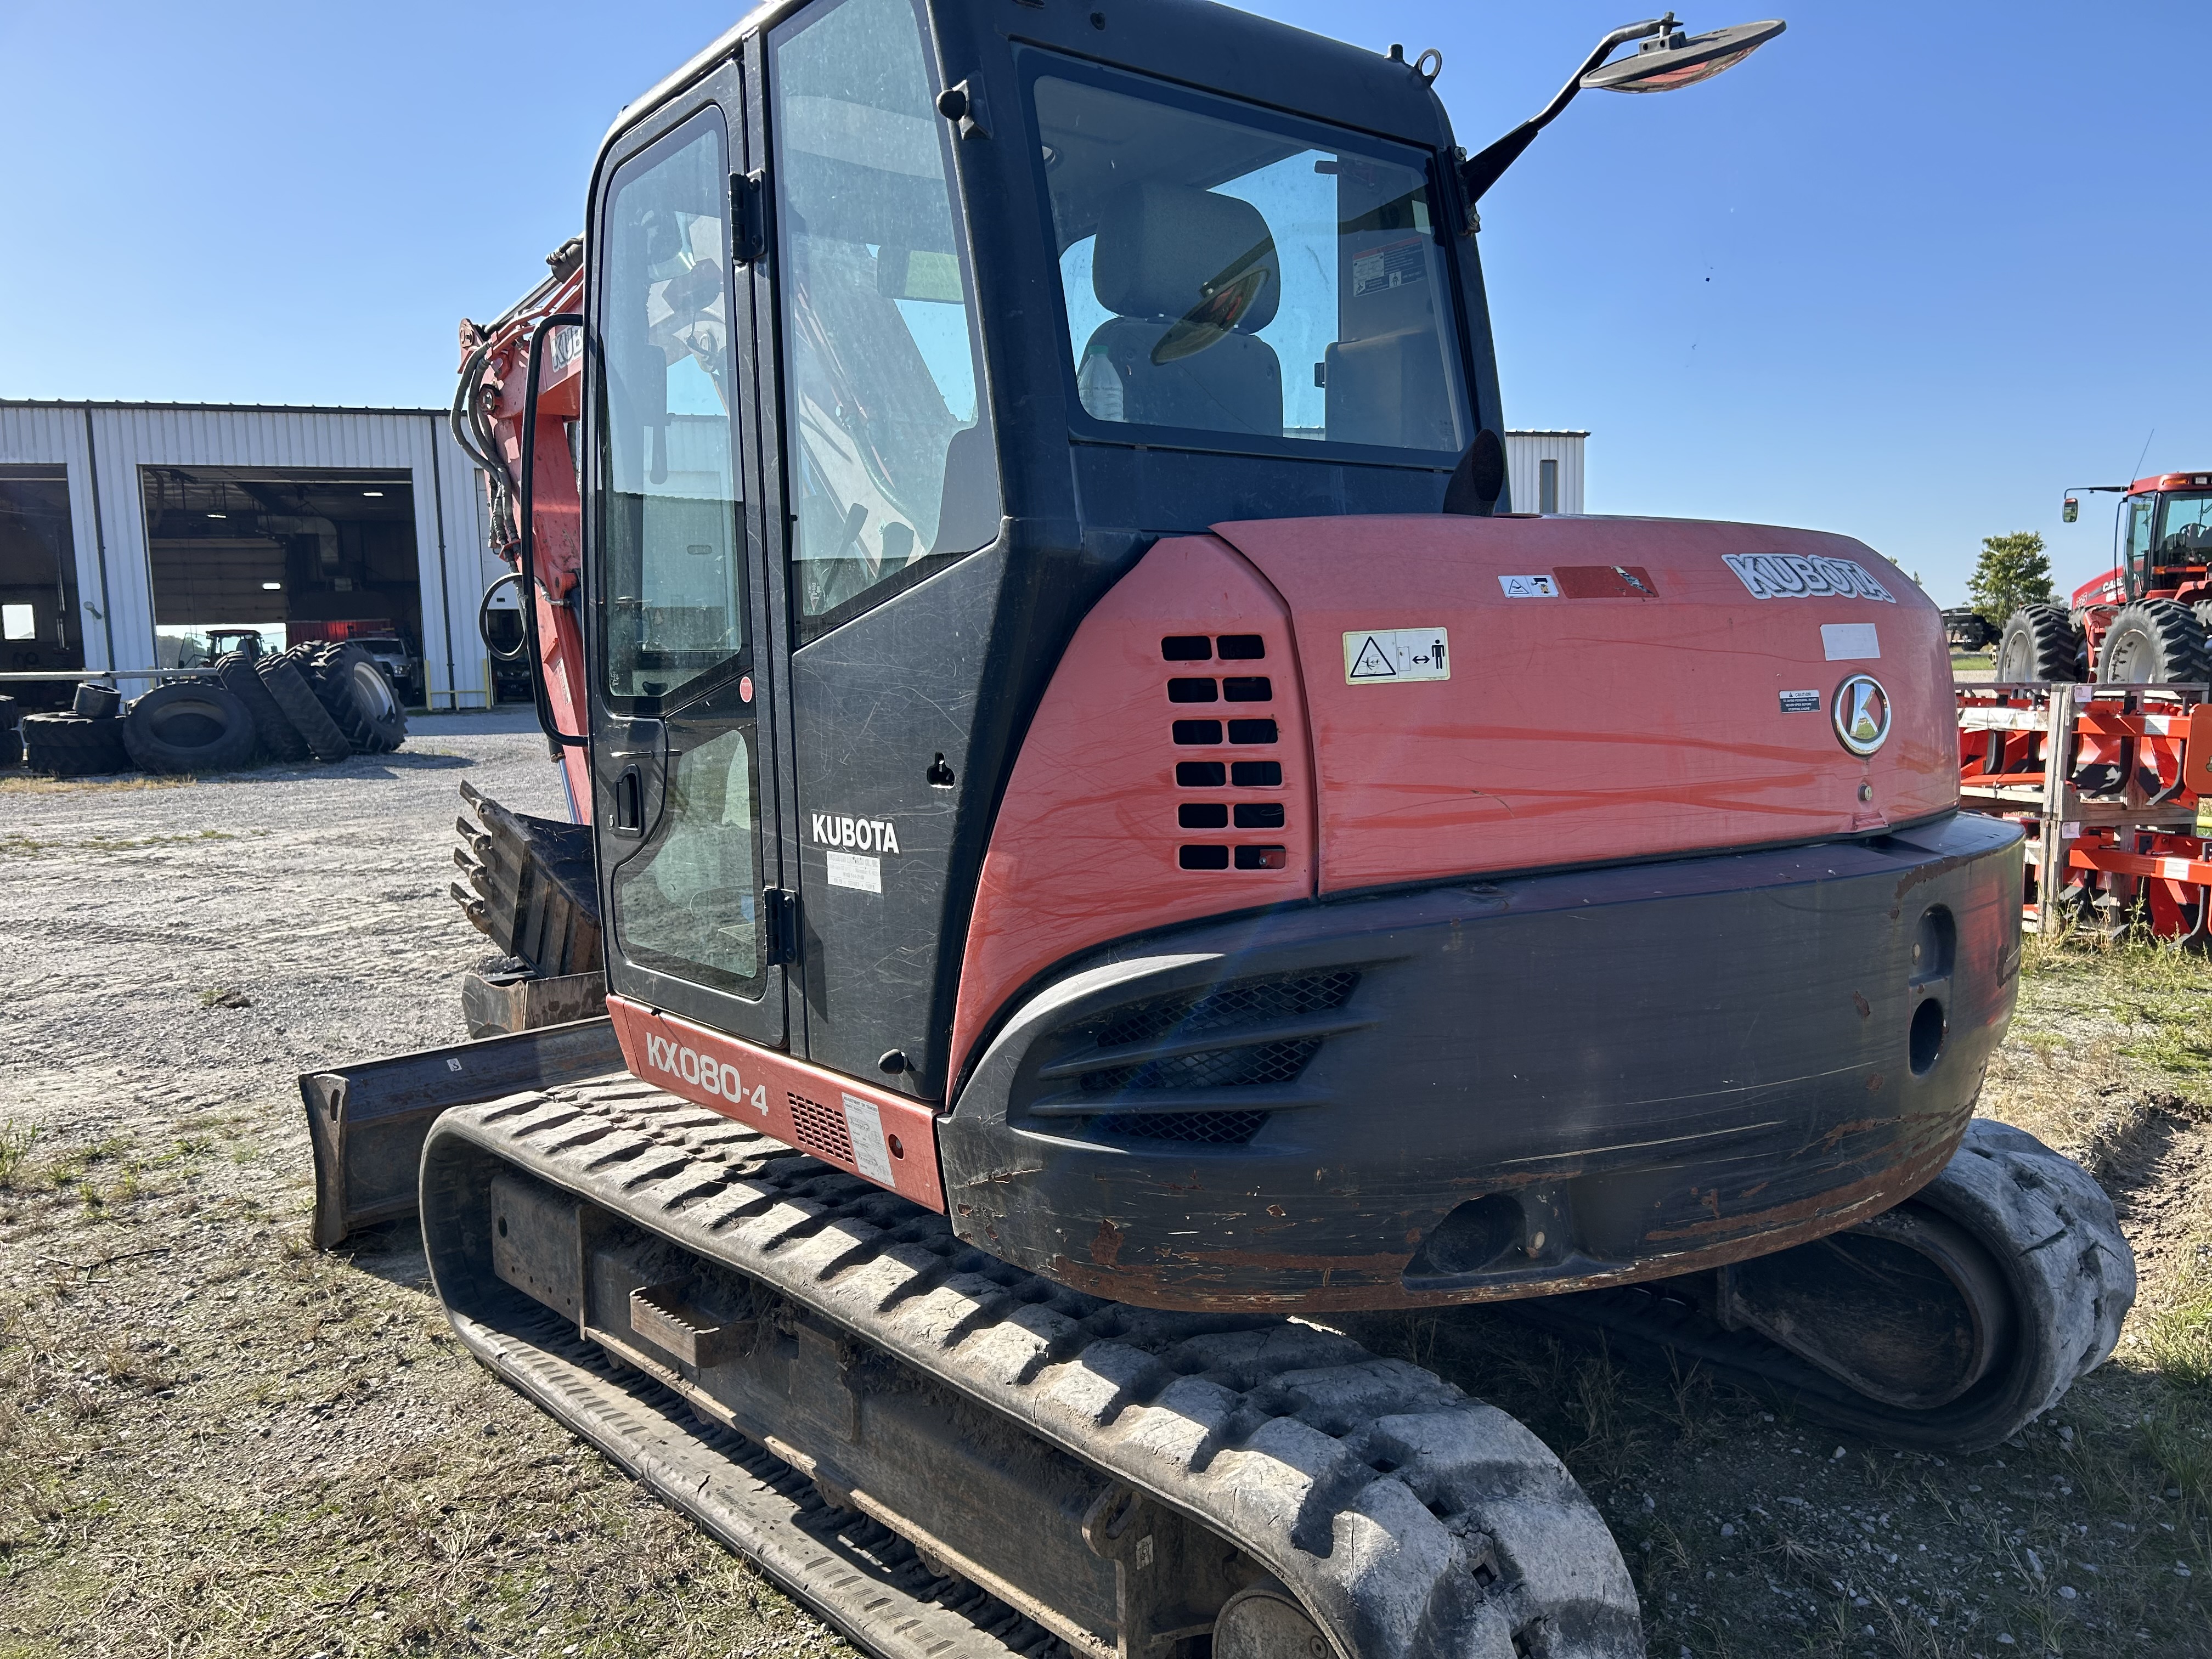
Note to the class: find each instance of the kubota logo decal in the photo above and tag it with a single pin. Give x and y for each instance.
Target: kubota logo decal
(1800, 576)
(867, 835)
(703, 1073)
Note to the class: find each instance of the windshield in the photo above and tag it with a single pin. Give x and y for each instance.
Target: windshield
(2185, 530)
(1226, 277)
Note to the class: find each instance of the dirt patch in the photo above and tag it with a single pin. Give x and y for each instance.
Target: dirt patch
(216, 1440)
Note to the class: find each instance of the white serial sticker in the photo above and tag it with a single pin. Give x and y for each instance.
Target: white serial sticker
(866, 1125)
(855, 870)
(1383, 656)
(1529, 587)
(1850, 642)
(2174, 869)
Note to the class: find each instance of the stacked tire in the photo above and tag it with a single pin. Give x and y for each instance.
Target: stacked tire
(328, 701)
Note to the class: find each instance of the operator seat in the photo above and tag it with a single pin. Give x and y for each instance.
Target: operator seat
(1158, 245)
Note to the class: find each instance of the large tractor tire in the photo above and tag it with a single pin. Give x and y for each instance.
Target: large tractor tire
(2040, 642)
(192, 726)
(2154, 642)
(356, 690)
(11, 738)
(72, 746)
(289, 686)
(275, 736)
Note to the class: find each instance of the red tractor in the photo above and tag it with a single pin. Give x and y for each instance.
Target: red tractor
(2144, 621)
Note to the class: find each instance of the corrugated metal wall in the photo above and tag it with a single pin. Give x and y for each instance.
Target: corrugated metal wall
(114, 576)
(1525, 455)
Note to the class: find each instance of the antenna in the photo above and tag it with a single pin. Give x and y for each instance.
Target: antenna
(2137, 472)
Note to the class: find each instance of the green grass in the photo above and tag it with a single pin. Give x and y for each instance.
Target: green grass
(17, 1140)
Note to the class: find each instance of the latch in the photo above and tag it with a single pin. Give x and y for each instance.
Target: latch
(781, 908)
(748, 217)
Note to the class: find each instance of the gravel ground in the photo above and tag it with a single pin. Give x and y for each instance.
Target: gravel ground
(215, 1440)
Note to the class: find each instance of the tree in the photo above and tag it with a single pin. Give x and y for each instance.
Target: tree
(2013, 571)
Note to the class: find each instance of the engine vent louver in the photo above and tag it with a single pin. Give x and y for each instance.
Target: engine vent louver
(1205, 732)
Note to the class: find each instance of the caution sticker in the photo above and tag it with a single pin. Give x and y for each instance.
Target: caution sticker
(1801, 702)
(1389, 656)
(1529, 587)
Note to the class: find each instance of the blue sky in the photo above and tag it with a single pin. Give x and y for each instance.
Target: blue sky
(1905, 274)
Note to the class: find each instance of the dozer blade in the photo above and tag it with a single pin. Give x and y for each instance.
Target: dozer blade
(946, 1455)
(1948, 1323)
(368, 1120)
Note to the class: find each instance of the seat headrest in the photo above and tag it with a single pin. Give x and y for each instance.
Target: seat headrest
(1159, 244)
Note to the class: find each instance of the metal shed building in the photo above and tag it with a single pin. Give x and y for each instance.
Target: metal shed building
(1544, 471)
(128, 530)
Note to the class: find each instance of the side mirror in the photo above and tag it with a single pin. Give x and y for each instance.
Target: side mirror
(1675, 58)
(2071, 511)
(1669, 57)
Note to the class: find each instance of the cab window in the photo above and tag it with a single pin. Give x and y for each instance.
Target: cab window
(2185, 530)
(2137, 514)
(672, 581)
(1272, 282)
(887, 436)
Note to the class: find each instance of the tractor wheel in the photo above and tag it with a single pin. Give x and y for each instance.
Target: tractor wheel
(354, 687)
(288, 684)
(275, 737)
(2040, 642)
(2154, 642)
(189, 727)
(11, 747)
(72, 746)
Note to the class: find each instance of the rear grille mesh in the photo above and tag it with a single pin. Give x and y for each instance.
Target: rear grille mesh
(1243, 1004)
(1191, 1128)
(1216, 1069)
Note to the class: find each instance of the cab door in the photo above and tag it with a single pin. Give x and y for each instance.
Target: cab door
(683, 721)
(2135, 513)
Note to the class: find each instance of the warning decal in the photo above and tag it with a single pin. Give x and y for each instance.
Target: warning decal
(1387, 656)
(1529, 587)
(1392, 265)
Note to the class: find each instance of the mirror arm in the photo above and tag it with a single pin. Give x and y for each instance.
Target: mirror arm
(1482, 170)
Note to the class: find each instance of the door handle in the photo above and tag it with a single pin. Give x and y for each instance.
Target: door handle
(630, 803)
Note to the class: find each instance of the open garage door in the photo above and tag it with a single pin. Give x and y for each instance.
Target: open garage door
(265, 559)
(40, 627)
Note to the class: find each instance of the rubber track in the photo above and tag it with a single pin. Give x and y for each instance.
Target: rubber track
(855, 1574)
(1408, 1518)
(2054, 1236)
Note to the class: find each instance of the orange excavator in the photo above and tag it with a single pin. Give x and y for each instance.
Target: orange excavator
(1115, 853)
